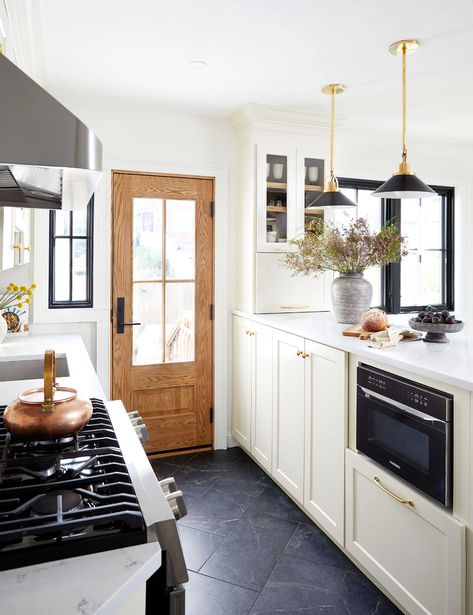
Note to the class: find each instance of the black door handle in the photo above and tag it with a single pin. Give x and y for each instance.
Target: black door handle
(121, 324)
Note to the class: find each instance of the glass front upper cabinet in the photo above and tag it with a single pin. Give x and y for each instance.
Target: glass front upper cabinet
(288, 182)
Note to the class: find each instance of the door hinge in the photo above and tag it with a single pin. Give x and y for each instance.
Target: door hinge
(111, 315)
(212, 209)
(211, 412)
(212, 311)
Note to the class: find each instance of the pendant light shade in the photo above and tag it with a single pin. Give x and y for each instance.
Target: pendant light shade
(331, 196)
(404, 184)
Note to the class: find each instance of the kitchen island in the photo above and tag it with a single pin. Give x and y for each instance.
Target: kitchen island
(103, 583)
(295, 411)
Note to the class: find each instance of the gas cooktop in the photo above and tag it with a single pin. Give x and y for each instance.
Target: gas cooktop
(66, 497)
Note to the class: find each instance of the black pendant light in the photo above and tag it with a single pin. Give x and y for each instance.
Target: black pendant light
(404, 184)
(331, 196)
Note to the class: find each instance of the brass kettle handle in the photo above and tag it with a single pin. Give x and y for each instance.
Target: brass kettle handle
(49, 380)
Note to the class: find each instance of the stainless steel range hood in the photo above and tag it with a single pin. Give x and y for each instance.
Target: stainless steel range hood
(48, 158)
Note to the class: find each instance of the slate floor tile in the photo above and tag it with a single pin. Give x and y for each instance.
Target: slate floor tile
(297, 586)
(250, 551)
(215, 512)
(196, 482)
(198, 546)
(273, 501)
(358, 596)
(310, 543)
(207, 596)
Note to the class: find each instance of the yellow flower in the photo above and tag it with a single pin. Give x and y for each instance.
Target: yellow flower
(27, 300)
(33, 286)
(29, 292)
(15, 287)
(10, 288)
(23, 288)
(20, 305)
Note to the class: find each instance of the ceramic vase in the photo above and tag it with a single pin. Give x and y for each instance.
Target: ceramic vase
(351, 297)
(3, 328)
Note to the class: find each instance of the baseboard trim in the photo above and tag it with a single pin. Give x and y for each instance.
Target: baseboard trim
(231, 442)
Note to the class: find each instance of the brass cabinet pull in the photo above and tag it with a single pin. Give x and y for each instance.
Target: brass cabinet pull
(305, 355)
(299, 353)
(392, 494)
(248, 332)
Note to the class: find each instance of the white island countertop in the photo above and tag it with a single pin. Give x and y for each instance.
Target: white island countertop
(451, 363)
(96, 584)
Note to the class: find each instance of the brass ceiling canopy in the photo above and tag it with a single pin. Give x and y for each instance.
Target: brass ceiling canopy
(331, 196)
(404, 184)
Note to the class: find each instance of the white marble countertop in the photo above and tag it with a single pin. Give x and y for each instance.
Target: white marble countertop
(90, 584)
(24, 347)
(450, 363)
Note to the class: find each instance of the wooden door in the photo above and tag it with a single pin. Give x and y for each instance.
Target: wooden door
(242, 380)
(415, 551)
(288, 413)
(325, 437)
(162, 272)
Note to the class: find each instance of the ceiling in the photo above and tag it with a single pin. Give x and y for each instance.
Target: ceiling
(276, 52)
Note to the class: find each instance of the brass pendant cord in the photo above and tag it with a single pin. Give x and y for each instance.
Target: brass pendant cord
(332, 132)
(404, 140)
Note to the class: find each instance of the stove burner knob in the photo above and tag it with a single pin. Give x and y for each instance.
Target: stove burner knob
(174, 497)
(142, 433)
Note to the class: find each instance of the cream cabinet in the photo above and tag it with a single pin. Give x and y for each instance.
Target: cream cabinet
(413, 548)
(325, 436)
(253, 389)
(262, 408)
(288, 412)
(242, 381)
(281, 172)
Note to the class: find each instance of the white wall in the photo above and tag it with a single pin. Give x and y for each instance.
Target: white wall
(147, 138)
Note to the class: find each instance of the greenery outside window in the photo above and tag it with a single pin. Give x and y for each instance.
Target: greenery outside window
(426, 275)
(71, 258)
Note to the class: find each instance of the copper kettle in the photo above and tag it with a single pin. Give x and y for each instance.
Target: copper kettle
(47, 413)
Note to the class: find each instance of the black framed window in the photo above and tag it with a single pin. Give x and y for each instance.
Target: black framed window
(71, 258)
(426, 275)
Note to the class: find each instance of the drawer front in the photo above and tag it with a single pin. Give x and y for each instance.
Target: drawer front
(414, 549)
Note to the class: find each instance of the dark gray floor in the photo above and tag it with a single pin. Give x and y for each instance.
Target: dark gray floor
(251, 550)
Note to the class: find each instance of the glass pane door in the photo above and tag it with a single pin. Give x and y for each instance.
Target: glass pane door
(163, 280)
(276, 199)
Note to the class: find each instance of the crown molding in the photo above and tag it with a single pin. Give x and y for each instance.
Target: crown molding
(266, 117)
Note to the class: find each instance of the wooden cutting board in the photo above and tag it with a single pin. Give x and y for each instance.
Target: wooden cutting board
(356, 331)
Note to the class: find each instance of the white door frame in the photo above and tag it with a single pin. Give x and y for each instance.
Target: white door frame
(103, 203)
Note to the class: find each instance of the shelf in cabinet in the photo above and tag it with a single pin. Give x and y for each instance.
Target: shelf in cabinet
(313, 211)
(314, 188)
(276, 186)
(274, 209)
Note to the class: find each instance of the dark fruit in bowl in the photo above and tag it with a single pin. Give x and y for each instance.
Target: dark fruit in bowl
(445, 314)
(418, 319)
(436, 320)
(421, 315)
(427, 319)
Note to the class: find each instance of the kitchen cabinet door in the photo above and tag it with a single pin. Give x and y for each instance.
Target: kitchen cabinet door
(262, 420)
(415, 549)
(242, 380)
(325, 437)
(275, 197)
(288, 413)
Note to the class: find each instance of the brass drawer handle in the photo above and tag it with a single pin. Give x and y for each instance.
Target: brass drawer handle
(392, 494)
(305, 355)
(299, 353)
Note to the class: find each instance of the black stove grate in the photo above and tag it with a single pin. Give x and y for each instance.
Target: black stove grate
(66, 497)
